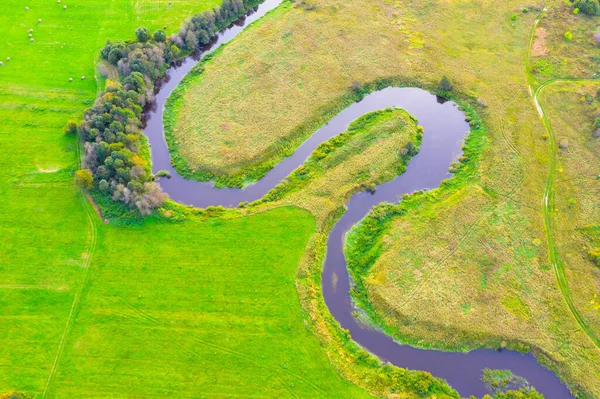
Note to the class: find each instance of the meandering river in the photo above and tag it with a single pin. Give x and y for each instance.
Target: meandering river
(444, 132)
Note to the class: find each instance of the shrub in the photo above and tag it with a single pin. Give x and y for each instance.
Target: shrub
(568, 35)
(142, 34)
(84, 179)
(160, 36)
(594, 255)
(445, 86)
(71, 127)
(103, 186)
(589, 7)
(164, 173)
(576, 11)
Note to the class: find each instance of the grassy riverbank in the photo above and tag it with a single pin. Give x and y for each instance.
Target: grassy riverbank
(467, 268)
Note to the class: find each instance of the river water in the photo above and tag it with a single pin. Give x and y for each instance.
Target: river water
(444, 131)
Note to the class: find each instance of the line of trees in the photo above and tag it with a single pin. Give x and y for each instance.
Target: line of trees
(114, 163)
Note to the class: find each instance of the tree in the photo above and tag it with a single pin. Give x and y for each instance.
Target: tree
(84, 178)
(160, 36)
(71, 127)
(142, 34)
(568, 35)
(445, 86)
(103, 186)
(589, 7)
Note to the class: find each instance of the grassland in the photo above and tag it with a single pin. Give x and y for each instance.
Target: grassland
(571, 108)
(159, 309)
(468, 265)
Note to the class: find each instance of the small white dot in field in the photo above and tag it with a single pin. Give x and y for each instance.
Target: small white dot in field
(58, 1)
(1, 63)
(64, 7)
(32, 40)
(30, 30)
(26, 8)
(40, 20)
(7, 58)
(83, 78)
(70, 79)
(30, 35)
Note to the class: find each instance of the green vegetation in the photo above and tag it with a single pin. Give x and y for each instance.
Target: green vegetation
(81, 299)
(111, 129)
(325, 173)
(589, 7)
(129, 309)
(461, 267)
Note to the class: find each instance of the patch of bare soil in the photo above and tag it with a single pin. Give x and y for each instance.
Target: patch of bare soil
(539, 45)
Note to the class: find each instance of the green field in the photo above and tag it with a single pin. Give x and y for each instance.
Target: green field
(195, 303)
(202, 307)
(469, 265)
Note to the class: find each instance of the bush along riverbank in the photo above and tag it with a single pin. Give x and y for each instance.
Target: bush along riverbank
(116, 163)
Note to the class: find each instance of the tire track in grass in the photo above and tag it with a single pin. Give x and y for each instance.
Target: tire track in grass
(91, 215)
(548, 196)
(160, 325)
(547, 206)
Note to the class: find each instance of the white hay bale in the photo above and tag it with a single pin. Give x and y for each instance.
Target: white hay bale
(1, 63)
(30, 35)
(70, 79)
(26, 8)
(64, 7)
(40, 20)
(7, 58)
(30, 30)
(32, 40)
(58, 1)
(83, 78)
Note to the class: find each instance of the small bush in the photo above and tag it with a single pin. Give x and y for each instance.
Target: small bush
(594, 255)
(568, 35)
(159, 36)
(142, 34)
(589, 7)
(84, 179)
(576, 11)
(164, 173)
(445, 86)
(71, 127)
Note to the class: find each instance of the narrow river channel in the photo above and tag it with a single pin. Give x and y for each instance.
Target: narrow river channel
(444, 132)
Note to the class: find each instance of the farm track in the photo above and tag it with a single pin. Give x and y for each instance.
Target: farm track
(548, 197)
(93, 239)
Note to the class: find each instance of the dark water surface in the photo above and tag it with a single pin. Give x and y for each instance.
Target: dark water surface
(444, 131)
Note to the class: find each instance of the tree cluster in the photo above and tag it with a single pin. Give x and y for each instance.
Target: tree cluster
(112, 128)
(589, 7)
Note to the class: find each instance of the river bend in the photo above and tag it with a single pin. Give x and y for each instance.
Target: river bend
(444, 132)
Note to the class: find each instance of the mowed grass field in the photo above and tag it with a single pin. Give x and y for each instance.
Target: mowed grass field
(197, 309)
(162, 309)
(469, 266)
